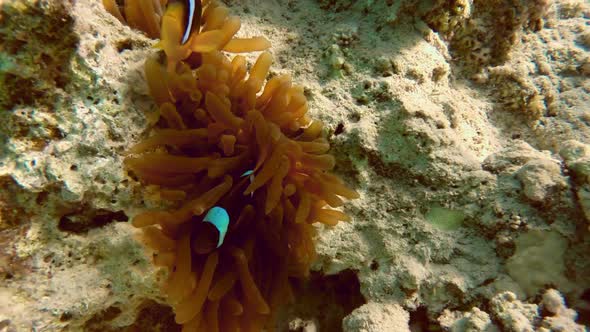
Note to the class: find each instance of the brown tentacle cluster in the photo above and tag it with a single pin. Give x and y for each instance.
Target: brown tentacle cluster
(224, 138)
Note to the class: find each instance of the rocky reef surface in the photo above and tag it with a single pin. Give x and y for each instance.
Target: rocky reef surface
(464, 124)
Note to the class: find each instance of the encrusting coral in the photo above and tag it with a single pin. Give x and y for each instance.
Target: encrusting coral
(225, 141)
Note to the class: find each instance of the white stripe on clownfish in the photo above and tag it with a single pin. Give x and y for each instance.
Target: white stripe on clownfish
(193, 19)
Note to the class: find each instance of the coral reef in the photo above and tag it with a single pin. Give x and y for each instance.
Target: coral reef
(482, 33)
(558, 317)
(377, 317)
(576, 156)
(484, 36)
(474, 320)
(35, 53)
(458, 174)
(510, 314)
(541, 252)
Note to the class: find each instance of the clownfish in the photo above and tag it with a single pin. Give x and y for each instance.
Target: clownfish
(192, 19)
(250, 174)
(246, 173)
(218, 217)
(211, 231)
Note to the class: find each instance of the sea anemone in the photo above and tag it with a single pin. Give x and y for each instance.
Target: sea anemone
(249, 166)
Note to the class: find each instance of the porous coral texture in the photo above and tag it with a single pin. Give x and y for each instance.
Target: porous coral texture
(483, 32)
(224, 138)
(470, 207)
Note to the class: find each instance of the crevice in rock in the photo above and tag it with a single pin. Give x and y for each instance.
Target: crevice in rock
(323, 300)
(84, 219)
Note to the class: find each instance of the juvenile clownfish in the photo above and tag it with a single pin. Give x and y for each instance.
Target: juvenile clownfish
(193, 19)
(250, 174)
(246, 173)
(211, 231)
(218, 217)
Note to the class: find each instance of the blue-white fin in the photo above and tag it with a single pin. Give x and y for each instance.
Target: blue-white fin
(251, 174)
(218, 217)
(246, 173)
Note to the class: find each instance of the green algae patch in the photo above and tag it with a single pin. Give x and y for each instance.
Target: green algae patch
(445, 219)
